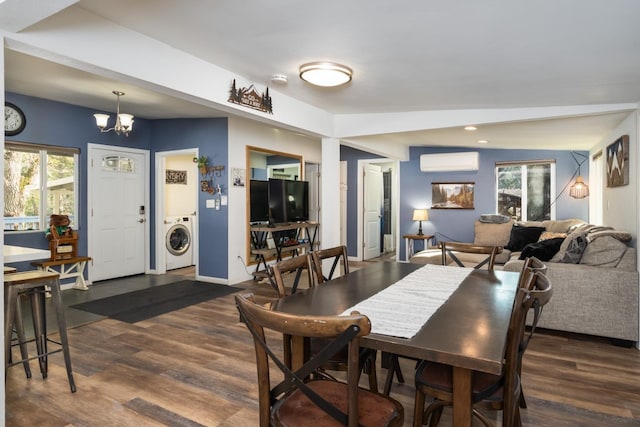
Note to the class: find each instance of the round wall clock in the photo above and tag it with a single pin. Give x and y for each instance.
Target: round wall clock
(14, 119)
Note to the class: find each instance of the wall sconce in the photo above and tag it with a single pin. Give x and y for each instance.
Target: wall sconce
(124, 122)
(579, 189)
(420, 215)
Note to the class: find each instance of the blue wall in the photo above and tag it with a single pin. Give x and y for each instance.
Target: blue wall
(59, 124)
(65, 125)
(415, 190)
(210, 136)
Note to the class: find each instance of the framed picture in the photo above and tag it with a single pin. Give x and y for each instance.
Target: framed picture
(618, 162)
(452, 195)
(238, 177)
(176, 177)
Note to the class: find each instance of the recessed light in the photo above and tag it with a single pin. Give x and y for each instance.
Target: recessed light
(326, 74)
(483, 141)
(470, 128)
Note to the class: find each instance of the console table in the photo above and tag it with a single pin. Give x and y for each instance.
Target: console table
(408, 241)
(274, 242)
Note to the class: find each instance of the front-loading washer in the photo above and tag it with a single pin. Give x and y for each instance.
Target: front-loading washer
(179, 242)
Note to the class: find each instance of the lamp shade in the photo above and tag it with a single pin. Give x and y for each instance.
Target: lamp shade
(420, 215)
(579, 190)
(101, 120)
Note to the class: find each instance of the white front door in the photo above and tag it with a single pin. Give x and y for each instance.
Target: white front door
(372, 210)
(117, 211)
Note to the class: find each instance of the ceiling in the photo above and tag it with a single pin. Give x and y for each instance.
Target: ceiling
(418, 55)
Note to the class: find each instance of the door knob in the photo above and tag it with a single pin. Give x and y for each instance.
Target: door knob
(141, 220)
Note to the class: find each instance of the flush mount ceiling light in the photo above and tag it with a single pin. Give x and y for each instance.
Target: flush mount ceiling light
(124, 122)
(326, 74)
(470, 128)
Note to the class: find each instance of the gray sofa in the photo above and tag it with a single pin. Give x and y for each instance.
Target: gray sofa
(598, 295)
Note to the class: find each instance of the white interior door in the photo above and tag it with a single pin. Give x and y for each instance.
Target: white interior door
(117, 212)
(372, 210)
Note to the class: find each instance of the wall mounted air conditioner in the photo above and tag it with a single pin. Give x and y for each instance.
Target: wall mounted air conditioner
(446, 162)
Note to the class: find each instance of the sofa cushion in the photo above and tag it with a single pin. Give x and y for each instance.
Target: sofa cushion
(606, 251)
(563, 226)
(492, 234)
(521, 236)
(551, 235)
(544, 250)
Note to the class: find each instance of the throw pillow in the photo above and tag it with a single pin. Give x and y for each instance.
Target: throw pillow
(551, 235)
(607, 251)
(522, 236)
(544, 250)
(579, 231)
(492, 234)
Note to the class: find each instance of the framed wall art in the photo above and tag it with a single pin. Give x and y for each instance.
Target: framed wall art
(452, 195)
(618, 162)
(176, 177)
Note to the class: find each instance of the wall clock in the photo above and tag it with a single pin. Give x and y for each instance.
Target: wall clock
(14, 119)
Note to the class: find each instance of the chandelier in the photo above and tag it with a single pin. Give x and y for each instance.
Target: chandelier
(124, 122)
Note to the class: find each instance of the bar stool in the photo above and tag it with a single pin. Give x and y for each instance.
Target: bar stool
(33, 284)
(19, 330)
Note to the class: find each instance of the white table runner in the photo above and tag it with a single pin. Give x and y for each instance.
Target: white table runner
(404, 307)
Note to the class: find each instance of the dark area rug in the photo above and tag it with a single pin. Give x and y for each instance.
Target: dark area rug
(140, 305)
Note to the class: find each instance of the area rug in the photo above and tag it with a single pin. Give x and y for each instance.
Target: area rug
(143, 304)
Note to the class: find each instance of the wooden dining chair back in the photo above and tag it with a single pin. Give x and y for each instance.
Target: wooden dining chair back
(300, 401)
(530, 266)
(489, 391)
(338, 258)
(297, 265)
(449, 250)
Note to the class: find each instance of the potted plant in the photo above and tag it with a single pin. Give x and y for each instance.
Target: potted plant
(202, 162)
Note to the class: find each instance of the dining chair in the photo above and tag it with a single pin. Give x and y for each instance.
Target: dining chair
(338, 257)
(298, 265)
(529, 267)
(449, 250)
(489, 391)
(300, 401)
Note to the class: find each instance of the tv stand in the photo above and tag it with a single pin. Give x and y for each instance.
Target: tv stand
(274, 241)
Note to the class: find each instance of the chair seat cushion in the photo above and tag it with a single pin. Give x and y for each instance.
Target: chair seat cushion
(439, 376)
(373, 409)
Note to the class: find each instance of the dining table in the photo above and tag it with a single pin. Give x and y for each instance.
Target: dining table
(468, 331)
(13, 253)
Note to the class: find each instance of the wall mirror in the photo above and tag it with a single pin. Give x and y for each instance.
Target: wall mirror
(263, 164)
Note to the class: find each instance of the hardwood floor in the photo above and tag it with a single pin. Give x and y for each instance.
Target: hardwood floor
(195, 367)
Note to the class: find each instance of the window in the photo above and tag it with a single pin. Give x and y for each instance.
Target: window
(526, 190)
(39, 181)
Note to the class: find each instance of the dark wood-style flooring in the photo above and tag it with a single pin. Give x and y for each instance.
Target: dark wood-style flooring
(195, 367)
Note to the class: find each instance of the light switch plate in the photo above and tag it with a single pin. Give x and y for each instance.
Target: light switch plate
(211, 204)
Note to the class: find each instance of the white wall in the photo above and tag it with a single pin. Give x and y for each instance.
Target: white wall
(619, 204)
(243, 132)
(180, 200)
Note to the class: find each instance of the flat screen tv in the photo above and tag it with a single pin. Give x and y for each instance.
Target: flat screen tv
(288, 201)
(297, 202)
(259, 201)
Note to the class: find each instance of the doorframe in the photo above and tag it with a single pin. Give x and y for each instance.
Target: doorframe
(160, 182)
(395, 200)
(147, 199)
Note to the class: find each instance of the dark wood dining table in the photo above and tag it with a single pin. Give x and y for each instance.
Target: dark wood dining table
(467, 332)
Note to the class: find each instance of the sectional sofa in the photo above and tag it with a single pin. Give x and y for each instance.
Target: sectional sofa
(593, 271)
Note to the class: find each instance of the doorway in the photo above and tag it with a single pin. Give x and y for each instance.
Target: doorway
(176, 217)
(375, 237)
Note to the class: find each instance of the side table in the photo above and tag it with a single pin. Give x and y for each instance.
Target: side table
(408, 242)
